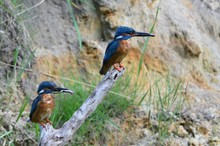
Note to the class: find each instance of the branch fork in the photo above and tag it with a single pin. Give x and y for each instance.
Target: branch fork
(51, 137)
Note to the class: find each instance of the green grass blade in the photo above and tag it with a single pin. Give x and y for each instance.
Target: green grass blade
(22, 108)
(160, 97)
(16, 56)
(24, 66)
(175, 92)
(114, 125)
(74, 23)
(6, 9)
(6, 134)
(15, 2)
(143, 97)
(149, 90)
(37, 131)
(147, 40)
(88, 3)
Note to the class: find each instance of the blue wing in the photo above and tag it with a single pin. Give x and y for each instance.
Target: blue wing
(34, 105)
(111, 49)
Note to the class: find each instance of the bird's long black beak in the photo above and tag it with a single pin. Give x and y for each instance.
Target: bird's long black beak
(60, 90)
(143, 34)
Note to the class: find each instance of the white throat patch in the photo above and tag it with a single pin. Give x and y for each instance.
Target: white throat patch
(41, 91)
(119, 37)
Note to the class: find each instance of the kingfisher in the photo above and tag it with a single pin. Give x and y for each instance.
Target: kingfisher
(44, 103)
(118, 48)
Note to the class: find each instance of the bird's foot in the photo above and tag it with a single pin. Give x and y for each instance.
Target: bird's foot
(121, 66)
(48, 121)
(42, 124)
(116, 67)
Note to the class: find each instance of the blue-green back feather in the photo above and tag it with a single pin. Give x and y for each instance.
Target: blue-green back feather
(111, 49)
(34, 104)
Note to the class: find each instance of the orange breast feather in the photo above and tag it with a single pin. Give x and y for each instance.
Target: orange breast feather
(44, 108)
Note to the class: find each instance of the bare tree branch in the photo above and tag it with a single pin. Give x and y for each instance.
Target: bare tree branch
(53, 137)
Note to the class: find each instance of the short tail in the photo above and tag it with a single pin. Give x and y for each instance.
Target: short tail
(104, 69)
(102, 72)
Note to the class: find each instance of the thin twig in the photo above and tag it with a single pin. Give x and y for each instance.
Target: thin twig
(59, 77)
(28, 9)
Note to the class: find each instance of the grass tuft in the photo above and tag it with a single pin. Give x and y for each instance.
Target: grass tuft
(166, 99)
(16, 46)
(70, 3)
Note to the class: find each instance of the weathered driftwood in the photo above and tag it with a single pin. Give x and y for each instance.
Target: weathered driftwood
(53, 137)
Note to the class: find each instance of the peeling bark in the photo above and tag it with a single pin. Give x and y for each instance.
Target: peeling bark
(52, 137)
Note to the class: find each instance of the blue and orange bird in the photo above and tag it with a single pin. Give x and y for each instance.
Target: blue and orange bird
(118, 48)
(44, 103)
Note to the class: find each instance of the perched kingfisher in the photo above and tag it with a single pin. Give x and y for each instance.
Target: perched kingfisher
(43, 104)
(117, 49)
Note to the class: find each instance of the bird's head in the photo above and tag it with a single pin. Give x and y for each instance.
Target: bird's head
(124, 33)
(47, 87)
